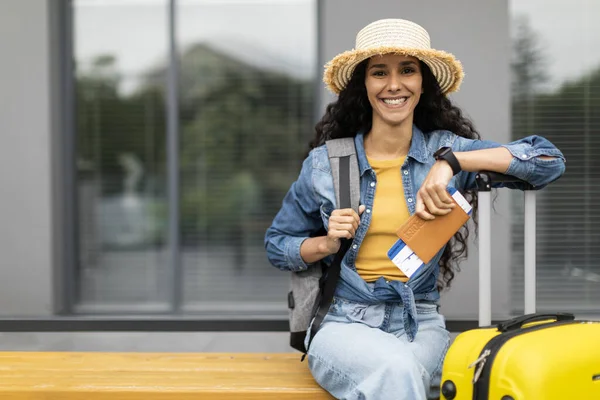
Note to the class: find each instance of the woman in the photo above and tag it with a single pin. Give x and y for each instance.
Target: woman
(383, 337)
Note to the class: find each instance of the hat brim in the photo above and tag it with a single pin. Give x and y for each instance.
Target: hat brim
(445, 67)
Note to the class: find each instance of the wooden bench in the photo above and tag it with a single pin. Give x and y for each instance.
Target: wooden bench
(92, 376)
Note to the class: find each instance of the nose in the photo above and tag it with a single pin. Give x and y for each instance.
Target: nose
(395, 82)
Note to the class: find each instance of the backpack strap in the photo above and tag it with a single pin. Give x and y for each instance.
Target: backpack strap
(346, 182)
(346, 186)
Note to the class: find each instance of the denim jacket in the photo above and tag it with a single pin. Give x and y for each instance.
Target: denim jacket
(310, 200)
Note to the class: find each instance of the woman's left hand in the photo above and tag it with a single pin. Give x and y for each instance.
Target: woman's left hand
(433, 197)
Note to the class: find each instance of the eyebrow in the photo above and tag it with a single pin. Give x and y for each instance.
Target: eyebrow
(403, 63)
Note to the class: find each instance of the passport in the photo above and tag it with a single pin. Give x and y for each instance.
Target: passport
(420, 240)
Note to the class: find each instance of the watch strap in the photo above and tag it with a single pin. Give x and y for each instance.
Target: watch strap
(446, 154)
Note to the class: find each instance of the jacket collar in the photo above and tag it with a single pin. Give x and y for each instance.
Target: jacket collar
(417, 150)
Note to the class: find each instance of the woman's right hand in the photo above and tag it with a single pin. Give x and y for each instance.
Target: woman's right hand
(342, 225)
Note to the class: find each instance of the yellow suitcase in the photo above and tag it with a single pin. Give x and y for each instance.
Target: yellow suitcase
(532, 357)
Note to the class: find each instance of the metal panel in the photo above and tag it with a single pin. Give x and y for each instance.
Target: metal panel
(173, 160)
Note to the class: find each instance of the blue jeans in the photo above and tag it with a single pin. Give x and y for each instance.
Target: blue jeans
(362, 352)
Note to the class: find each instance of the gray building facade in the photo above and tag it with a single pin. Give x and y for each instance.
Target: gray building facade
(67, 199)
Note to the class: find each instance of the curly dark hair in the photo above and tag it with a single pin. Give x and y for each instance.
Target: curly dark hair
(352, 113)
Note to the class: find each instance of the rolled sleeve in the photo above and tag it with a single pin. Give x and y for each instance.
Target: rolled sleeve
(298, 219)
(292, 252)
(525, 165)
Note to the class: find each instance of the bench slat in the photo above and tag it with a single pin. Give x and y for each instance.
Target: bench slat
(95, 376)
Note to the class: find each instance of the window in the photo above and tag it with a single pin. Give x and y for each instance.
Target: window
(246, 102)
(246, 93)
(556, 94)
(120, 150)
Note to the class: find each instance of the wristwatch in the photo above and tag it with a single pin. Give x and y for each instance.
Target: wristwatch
(445, 153)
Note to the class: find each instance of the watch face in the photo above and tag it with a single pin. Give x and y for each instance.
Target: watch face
(441, 151)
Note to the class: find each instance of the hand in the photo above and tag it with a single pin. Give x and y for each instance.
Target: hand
(342, 225)
(433, 198)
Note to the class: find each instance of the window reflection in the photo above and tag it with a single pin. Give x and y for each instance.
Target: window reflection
(120, 135)
(247, 82)
(247, 77)
(556, 94)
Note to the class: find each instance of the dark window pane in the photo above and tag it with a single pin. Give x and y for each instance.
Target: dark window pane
(120, 134)
(247, 95)
(556, 94)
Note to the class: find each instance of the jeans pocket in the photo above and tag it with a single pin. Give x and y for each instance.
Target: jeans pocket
(334, 307)
(337, 311)
(426, 308)
(370, 315)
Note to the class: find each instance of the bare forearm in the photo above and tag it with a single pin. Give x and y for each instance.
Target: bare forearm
(496, 160)
(314, 249)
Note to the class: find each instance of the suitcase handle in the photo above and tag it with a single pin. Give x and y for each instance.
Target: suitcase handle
(484, 180)
(517, 323)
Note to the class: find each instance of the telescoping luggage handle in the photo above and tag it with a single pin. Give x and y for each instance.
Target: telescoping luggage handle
(485, 180)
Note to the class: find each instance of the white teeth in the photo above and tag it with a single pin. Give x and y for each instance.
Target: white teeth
(395, 101)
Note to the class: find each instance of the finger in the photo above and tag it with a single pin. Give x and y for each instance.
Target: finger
(427, 202)
(434, 209)
(342, 227)
(343, 211)
(341, 234)
(350, 229)
(433, 199)
(440, 201)
(425, 215)
(361, 209)
(342, 219)
(420, 208)
(433, 203)
(352, 224)
(445, 196)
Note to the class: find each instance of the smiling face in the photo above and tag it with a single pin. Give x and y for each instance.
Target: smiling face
(394, 87)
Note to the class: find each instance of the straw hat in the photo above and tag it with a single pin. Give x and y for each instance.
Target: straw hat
(396, 36)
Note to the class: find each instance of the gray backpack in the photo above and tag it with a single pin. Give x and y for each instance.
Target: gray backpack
(312, 290)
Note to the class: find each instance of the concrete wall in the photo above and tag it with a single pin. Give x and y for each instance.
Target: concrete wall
(25, 173)
(477, 33)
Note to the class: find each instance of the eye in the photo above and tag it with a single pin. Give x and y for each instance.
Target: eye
(379, 73)
(408, 70)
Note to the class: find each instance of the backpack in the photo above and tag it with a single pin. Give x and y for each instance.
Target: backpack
(311, 291)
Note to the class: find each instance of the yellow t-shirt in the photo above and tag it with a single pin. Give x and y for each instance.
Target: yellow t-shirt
(388, 214)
